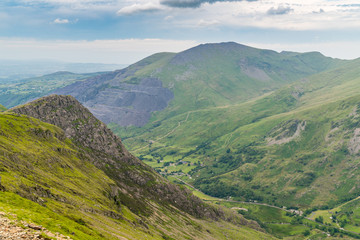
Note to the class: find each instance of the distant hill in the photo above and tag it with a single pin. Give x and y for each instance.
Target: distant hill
(24, 90)
(2, 108)
(205, 76)
(13, 70)
(83, 183)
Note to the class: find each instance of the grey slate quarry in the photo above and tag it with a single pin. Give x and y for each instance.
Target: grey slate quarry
(114, 101)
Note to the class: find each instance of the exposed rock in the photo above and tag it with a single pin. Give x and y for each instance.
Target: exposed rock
(114, 101)
(354, 143)
(355, 112)
(253, 71)
(33, 226)
(11, 230)
(286, 132)
(331, 133)
(353, 128)
(78, 124)
(297, 92)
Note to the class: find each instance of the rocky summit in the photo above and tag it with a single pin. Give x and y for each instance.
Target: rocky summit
(79, 124)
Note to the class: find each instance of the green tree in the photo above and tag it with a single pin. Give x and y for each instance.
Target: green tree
(306, 232)
(319, 219)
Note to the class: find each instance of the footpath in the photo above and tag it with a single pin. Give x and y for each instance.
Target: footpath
(21, 230)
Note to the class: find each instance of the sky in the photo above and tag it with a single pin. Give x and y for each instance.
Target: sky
(125, 31)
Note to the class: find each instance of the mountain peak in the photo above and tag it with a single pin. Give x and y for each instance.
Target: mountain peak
(78, 124)
(202, 52)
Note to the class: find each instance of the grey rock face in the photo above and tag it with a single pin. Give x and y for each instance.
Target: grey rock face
(114, 101)
(130, 104)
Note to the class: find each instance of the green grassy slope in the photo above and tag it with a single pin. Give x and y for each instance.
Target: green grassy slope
(2, 108)
(288, 223)
(72, 196)
(345, 216)
(206, 76)
(308, 170)
(212, 75)
(18, 92)
(295, 146)
(37, 165)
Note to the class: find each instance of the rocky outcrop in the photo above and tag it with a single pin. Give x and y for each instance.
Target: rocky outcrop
(78, 124)
(136, 183)
(286, 132)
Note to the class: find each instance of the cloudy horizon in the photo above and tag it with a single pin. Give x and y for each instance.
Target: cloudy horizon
(114, 31)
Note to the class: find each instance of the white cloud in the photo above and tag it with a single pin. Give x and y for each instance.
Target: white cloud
(223, 16)
(276, 14)
(123, 51)
(138, 8)
(302, 14)
(206, 23)
(68, 5)
(168, 18)
(280, 10)
(70, 2)
(61, 21)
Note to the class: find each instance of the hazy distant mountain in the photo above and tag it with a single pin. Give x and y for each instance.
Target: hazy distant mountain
(21, 91)
(11, 70)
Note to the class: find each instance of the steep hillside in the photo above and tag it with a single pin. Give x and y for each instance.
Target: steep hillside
(205, 76)
(301, 158)
(84, 184)
(297, 146)
(2, 108)
(15, 92)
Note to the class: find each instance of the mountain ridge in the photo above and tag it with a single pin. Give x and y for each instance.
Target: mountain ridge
(189, 80)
